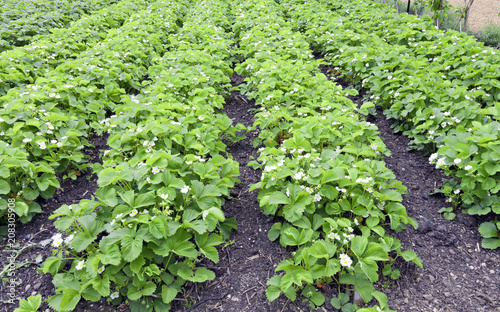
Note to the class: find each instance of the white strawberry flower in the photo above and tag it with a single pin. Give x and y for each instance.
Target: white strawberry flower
(433, 157)
(457, 161)
(185, 189)
(440, 163)
(100, 270)
(155, 170)
(26, 140)
(201, 118)
(57, 240)
(468, 167)
(345, 260)
(114, 295)
(41, 145)
(317, 197)
(133, 213)
(68, 239)
(164, 196)
(80, 265)
(59, 144)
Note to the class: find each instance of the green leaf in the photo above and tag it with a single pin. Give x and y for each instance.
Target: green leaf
(369, 267)
(272, 293)
(318, 250)
(185, 249)
(376, 252)
(131, 247)
(410, 255)
(157, 228)
(29, 193)
(488, 230)
(51, 265)
(21, 208)
(206, 243)
(358, 245)
(69, 299)
(112, 255)
(329, 192)
(81, 241)
(4, 172)
(278, 198)
(144, 200)
(108, 197)
(274, 232)
(31, 305)
(363, 285)
(317, 298)
(274, 290)
(381, 298)
(101, 285)
(137, 264)
(168, 294)
(490, 243)
(201, 275)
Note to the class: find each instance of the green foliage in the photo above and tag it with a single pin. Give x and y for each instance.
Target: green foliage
(61, 44)
(441, 88)
(30, 305)
(342, 303)
(323, 170)
(161, 186)
(44, 126)
(490, 233)
(490, 35)
(20, 21)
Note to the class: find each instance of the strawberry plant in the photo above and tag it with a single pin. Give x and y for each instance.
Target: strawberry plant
(322, 166)
(23, 65)
(22, 20)
(157, 211)
(439, 87)
(49, 122)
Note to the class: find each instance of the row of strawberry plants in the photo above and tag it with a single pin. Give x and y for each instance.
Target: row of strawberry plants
(20, 23)
(157, 210)
(16, 9)
(441, 87)
(23, 65)
(323, 170)
(44, 129)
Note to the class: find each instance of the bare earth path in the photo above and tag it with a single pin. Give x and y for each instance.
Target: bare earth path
(482, 13)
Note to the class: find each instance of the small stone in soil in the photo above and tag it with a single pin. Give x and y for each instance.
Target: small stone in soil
(428, 297)
(425, 196)
(357, 298)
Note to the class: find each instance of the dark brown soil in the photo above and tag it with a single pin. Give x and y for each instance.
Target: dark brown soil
(458, 275)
